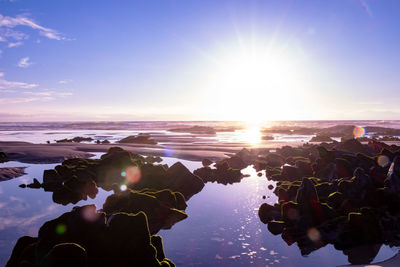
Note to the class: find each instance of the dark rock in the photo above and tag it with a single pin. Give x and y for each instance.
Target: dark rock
(223, 174)
(77, 139)
(139, 139)
(195, 130)
(65, 255)
(270, 187)
(267, 137)
(86, 237)
(77, 179)
(21, 251)
(276, 227)
(153, 159)
(206, 162)
(392, 183)
(234, 162)
(163, 208)
(36, 184)
(3, 157)
(321, 138)
(268, 213)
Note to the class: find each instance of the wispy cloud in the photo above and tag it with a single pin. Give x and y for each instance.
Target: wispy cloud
(24, 20)
(366, 8)
(15, 44)
(65, 81)
(24, 62)
(11, 30)
(4, 84)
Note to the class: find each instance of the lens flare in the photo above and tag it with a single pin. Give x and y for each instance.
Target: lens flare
(383, 161)
(358, 132)
(132, 174)
(90, 214)
(123, 187)
(313, 234)
(61, 229)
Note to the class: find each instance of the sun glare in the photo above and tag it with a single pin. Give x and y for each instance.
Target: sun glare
(257, 83)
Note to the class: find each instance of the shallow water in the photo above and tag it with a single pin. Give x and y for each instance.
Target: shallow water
(222, 228)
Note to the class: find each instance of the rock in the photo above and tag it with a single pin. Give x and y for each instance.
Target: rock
(276, 227)
(163, 208)
(206, 162)
(77, 139)
(270, 187)
(321, 138)
(21, 251)
(77, 179)
(3, 157)
(268, 213)
(267, 137)
(153, 159)
(86, 237)
(177, 178)
(105, 142)
(392, 183)
(353, 145)
(234, 162)
(65, 255)
(36, 184)
(195, 130)
(139, 139)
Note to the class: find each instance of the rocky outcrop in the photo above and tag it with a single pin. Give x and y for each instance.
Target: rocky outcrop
(77, 179)
(86, 237)
(349, 197)
(139, 139)
(195, 130)
(163, 208)
(77, 139)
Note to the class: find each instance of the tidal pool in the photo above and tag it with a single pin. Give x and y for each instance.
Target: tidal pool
(222, 228)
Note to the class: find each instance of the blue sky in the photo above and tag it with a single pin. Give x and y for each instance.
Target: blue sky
(173, 60)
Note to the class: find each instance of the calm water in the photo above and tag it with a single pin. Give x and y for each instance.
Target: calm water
(222, 227)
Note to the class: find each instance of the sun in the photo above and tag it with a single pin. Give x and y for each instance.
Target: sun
(256, 83)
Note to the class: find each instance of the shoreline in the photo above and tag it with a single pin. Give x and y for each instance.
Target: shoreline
(26, 152)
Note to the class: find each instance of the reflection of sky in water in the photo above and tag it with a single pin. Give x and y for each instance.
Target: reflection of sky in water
(222, 228)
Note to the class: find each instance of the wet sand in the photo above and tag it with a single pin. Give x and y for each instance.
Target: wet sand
(53, 153)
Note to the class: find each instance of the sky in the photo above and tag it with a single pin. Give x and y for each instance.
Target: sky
(199, 60)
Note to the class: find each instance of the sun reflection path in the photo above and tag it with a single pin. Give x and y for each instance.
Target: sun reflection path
(251, 135)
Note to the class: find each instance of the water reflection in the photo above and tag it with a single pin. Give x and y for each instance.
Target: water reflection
(222, 228)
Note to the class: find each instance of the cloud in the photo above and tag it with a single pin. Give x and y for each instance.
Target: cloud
(15, 44)
(22, 20)
(24, 62)
(17, 100)
(65, 81)
(5, 85)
